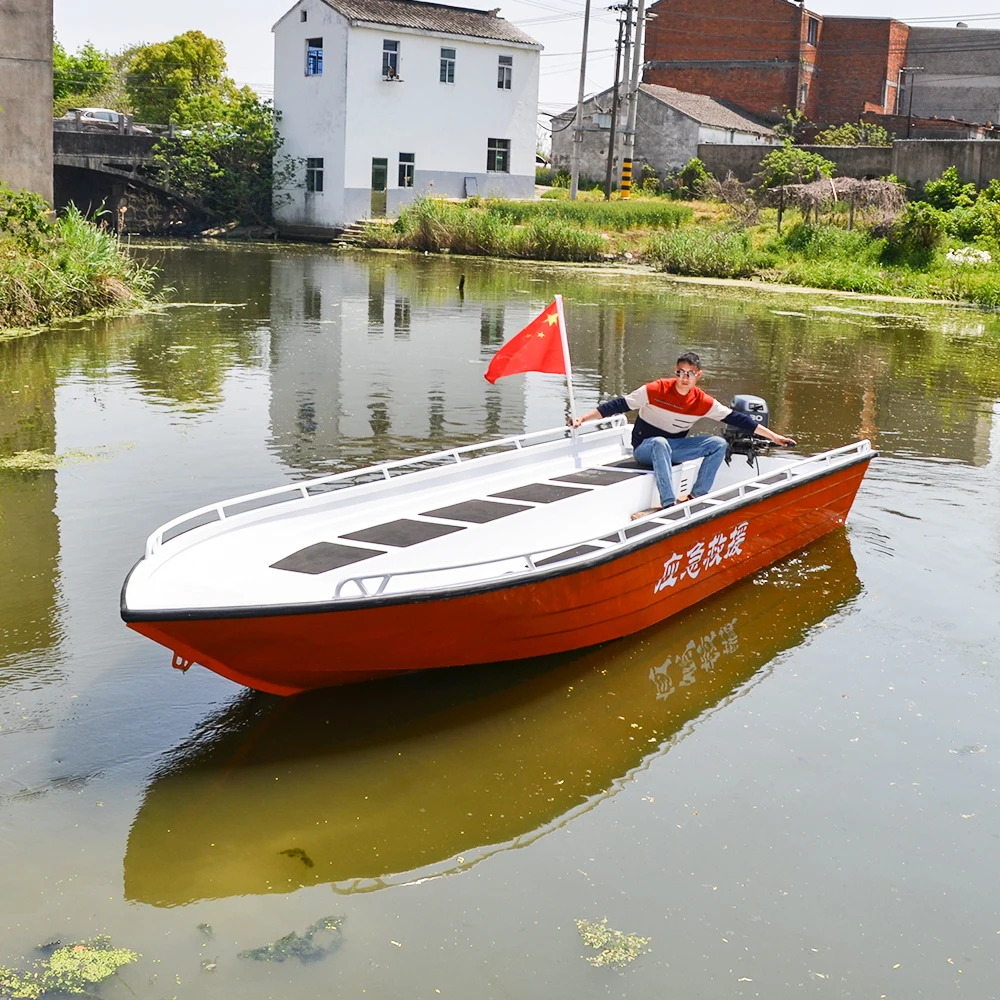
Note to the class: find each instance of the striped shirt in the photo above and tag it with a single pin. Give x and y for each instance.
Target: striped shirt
(664, 412)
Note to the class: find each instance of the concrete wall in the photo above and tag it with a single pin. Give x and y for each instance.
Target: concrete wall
(915, 161)
(26, 95)
(961, 74)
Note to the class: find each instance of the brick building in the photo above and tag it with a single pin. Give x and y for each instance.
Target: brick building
(775, 54)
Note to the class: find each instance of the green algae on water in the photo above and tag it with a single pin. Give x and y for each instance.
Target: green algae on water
(612, 947)
(42, 461)
(69, 969)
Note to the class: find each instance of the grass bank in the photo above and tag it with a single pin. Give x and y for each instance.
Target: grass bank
(537, 230)
(70, 267)
(704, 239)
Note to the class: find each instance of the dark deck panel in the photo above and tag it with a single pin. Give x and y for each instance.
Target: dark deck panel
(596, 477)
(402, 533)
(627, 463)
(476, 511)
(324, 556)
(540, 493)
(579, 550)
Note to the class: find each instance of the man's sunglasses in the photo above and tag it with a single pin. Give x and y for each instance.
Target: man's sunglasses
(685, 373)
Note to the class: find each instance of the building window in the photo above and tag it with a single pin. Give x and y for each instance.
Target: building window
(803, 95)
(812, 32)
(314, 174)
(314, 57)
(390, 60)
(406, 161)
(447, 65)
(504, 72)
(303, 15)
(498, 156)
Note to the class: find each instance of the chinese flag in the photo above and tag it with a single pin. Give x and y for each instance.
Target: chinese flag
(537, 348)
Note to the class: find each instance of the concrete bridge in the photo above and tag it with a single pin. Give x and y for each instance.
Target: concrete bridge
(113, 170)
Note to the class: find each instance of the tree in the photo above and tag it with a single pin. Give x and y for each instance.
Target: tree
(229, 159)
(793, 120)
(854, 134)
(77, 78)
(165, 76)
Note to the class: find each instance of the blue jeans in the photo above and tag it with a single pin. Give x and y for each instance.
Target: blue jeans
(660, 453)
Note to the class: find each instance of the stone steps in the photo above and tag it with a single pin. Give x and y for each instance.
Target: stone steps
(352, 234)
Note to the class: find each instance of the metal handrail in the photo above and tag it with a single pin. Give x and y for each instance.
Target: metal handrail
(750, 487)
(513, 443)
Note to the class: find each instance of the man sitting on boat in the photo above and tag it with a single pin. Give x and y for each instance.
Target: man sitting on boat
(667, 409)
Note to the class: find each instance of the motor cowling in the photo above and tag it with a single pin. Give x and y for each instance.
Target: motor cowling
(741, 442)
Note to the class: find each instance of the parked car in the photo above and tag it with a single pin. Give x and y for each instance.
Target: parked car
(102, 120)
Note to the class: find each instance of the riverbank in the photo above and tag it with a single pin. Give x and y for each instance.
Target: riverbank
(62, 269)
(697, 239)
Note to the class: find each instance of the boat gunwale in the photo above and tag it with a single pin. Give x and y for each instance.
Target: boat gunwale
(568, 567)
(511, 446)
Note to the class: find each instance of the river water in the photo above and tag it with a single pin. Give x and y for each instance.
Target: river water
(791, 790)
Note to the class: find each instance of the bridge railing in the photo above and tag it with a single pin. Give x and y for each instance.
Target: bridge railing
(76, 121)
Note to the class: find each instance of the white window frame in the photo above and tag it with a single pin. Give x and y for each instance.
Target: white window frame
(390, 59)
(505, 72)
(447, 74)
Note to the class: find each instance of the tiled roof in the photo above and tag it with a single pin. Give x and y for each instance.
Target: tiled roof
(433, 17)
(706, 110)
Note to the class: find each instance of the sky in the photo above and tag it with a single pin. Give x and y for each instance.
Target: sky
(245, 29)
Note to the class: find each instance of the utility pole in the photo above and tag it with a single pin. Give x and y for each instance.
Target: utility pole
(609, 176)
(633, 100)
(909, 97)
(574, 183)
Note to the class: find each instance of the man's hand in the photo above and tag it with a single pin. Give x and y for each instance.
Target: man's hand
(592, 415)
(766, 432)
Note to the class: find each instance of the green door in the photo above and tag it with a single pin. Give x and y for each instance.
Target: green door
(380, 177)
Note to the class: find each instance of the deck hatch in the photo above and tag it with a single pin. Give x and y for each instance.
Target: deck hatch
(596, 477)
(579, 550)
(401, 533)
(540, 493)
(324, 556)
(476, 511)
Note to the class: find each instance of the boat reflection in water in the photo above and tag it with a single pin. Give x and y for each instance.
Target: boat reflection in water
(390, 782)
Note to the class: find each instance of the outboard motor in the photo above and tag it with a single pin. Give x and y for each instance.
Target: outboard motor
(741, 443)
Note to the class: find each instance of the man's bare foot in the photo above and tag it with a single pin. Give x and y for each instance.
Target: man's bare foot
(646, 513)
(683, 499)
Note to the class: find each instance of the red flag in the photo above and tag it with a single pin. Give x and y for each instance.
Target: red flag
(537, 348)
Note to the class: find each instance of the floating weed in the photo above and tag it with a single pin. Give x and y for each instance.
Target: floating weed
(69, 969)
(41, 461)
(612, 947)
(319, 939)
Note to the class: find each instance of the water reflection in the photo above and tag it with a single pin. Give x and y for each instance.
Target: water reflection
(29, 527)
(382, 783)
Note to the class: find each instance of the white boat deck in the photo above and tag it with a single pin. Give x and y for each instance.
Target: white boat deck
(465, 516)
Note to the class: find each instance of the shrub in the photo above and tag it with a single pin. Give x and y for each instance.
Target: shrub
(791, 165)
(829, 243)
(854, 134)
(949, 192)
(919, 230)
(704, 253)
(689, 183)
(24, 217)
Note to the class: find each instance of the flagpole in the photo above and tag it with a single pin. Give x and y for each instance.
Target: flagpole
(566, 360)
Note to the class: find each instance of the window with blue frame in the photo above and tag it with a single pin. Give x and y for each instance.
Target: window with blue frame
(314, 57)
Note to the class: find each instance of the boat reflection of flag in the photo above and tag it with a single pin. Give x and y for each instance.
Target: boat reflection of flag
(426, 774)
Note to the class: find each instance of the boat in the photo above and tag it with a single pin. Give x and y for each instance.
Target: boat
(426, 775)
(497, 551)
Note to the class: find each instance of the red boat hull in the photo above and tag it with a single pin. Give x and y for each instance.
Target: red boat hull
(286, 651)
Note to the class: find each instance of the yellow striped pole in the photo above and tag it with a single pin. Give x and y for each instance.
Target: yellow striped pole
(626, 188)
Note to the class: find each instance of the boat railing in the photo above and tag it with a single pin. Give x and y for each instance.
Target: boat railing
(375, 584)
(382, 472)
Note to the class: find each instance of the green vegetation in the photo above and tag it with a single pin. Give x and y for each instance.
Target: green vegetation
(64, 268)
(858, 133)
(73, 968)
(319, 939)
(78, 78)
(792, 165)
(539, 230)
(612, 947)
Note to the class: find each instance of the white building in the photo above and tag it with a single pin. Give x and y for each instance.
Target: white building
(383, 100)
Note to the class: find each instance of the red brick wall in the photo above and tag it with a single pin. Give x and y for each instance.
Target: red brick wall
(856, 58)
(754, 54)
